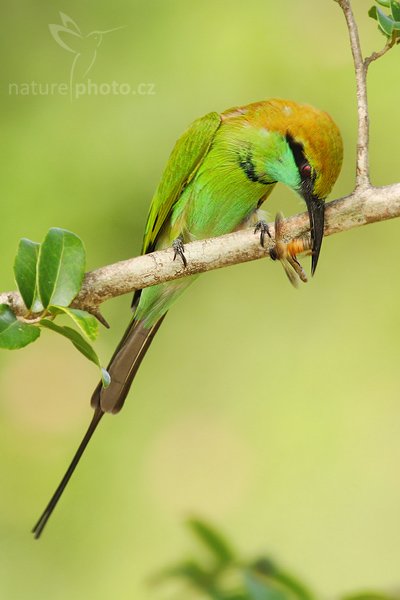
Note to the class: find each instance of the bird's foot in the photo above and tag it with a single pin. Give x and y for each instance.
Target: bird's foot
(179, 249)
(286, 253)
(262, 227)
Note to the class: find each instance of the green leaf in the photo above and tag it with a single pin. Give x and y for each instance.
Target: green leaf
(61, 267)
(213, 540)
(385, 3)
(260, 589)
(266, 568)
(395, 9)
(13, 333)
(372, 13)
(25, 266)
(385, 22)
(199, 578)
(86, 322)
(80, 344)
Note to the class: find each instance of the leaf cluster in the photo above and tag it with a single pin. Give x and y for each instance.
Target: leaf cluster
(389, 24)
(49, 276)
(226, 576)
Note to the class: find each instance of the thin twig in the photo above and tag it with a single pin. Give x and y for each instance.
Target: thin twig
(362, 167)
(375, 55)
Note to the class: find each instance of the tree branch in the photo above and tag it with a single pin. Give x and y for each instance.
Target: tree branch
(360, 208)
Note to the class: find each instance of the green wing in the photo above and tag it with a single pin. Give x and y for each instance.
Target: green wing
(186, 157)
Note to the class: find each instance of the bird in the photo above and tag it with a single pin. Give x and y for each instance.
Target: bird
(219, 173)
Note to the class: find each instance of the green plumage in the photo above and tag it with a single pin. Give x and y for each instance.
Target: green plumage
(216, 197)
(185, 159)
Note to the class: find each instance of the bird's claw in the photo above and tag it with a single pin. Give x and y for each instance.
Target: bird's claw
(179, 249)
(262, 227)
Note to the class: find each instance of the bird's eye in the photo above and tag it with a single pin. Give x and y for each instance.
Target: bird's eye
(306, 170)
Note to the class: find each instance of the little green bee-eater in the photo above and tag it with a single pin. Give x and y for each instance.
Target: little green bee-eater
(220, 172)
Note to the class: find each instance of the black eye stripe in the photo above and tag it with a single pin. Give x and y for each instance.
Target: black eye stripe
(299, 156)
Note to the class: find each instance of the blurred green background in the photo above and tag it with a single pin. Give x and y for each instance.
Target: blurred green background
(271, 411)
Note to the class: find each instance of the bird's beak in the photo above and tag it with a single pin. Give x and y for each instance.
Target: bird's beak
(316, 213)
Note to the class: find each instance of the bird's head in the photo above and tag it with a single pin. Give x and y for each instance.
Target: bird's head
(311, 158)
(299, 146)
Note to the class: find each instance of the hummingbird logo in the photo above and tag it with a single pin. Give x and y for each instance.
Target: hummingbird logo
(84, 47)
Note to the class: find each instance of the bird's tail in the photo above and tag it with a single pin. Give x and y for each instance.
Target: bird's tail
(122, 369)
(124, 365)
(40, 525)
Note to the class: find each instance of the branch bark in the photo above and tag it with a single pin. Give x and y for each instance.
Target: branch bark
(359, 208)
